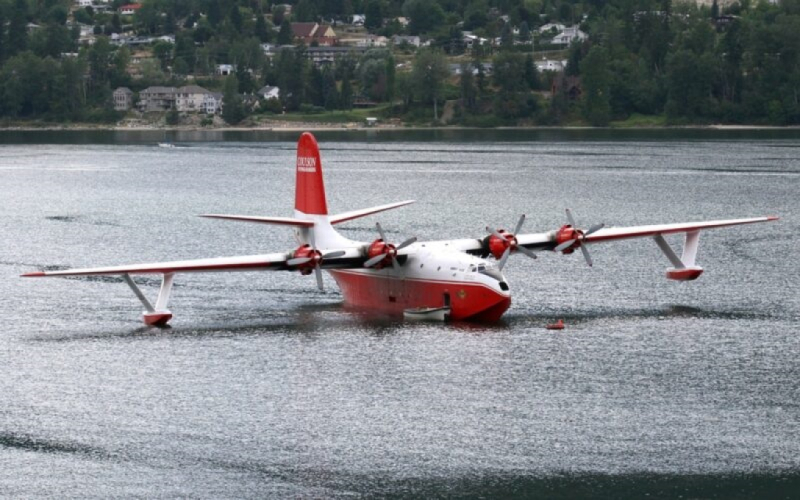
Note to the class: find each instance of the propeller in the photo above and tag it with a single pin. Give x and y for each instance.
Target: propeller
(381, 252)
(576, 236)
(502, 243)
(308, 254)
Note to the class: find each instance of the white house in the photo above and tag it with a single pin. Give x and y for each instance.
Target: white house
(212, 103)
(411, 40)
(558, 27)
(190, 99)
(358, 20)
(269, 92)
(549, 65)
(569, 35)
(372, 41)
(225, 69)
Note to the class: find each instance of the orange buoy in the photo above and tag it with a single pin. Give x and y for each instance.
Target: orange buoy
(558, 325)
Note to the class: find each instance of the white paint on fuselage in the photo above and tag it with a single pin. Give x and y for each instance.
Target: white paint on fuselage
(442, 261)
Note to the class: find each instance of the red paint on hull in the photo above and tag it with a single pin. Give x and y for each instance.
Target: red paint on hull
(468, 301)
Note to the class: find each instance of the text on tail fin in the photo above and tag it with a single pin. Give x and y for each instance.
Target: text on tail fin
(310, 189)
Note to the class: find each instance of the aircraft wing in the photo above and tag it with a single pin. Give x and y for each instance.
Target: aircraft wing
(621, 233)
(550, 240)
(267, 262)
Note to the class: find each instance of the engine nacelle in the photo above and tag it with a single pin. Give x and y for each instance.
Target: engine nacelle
(498, 246)
(566, 233)
(685, 274)
(380, 247)
(305, 251)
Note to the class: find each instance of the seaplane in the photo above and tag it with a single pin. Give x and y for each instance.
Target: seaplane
(462, 277)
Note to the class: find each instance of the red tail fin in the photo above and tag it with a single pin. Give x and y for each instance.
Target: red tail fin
(310, 189)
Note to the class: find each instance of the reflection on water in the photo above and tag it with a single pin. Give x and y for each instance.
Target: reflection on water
(265, 387)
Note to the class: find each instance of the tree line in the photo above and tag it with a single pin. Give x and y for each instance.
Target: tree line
(683, 63)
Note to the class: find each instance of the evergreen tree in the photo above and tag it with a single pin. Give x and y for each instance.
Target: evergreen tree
(531, 73)
(595, 80)
(2, 36)
(346, 95)
(261, 29)
(316, 87)
(285, 34)
(429, 71)
(469, 95)
(236, 18)
(373, 15)
(233, 111)
(330, 92)
(524, 32)
(17, 28)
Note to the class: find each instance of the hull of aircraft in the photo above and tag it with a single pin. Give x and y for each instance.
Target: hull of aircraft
(393, 295)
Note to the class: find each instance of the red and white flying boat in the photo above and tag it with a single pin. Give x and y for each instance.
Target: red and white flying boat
(380, 275)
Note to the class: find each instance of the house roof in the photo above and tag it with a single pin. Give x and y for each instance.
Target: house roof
(192, 89)
(158, 90)
(267, 89)
(304, 29)
(125, 90)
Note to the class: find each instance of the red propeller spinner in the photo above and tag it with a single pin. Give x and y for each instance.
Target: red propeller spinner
(381, 253)
(568, 238)
(307, 259)
(502, 243)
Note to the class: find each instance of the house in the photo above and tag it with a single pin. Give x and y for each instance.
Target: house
(401, 39)
(225, 69)
(309, 33)
(557, 27)
(269, 92)
(321, 56)
(569, 35)
(212, 103)
(550, 65)
(123, 99)
(471, 41)
(156, 98)
(372, 41)
(84, 3)
(129, 9)
(358, 20)
(190, 99)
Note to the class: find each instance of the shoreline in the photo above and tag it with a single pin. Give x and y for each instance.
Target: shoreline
(356, 127)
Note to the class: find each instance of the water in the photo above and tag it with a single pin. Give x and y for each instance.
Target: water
(265, 387)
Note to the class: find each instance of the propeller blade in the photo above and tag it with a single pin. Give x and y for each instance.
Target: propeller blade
(298, 261)
(318, 273)
(570, 219)
(519, 224)
(371, 262)
(395, 264)
(594, 229)
(409, 241)
(496, 233)
(380, 231)
(311, 238)
(334, 255)
(504, 258)
(564, 245)
(586, 255)
(527, 252)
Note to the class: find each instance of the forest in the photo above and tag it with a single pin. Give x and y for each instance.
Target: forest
(655, 62)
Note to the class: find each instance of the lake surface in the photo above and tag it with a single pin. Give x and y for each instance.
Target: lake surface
(266, 387)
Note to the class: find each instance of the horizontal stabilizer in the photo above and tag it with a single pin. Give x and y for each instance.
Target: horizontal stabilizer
(355, 214)
(278, 221)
